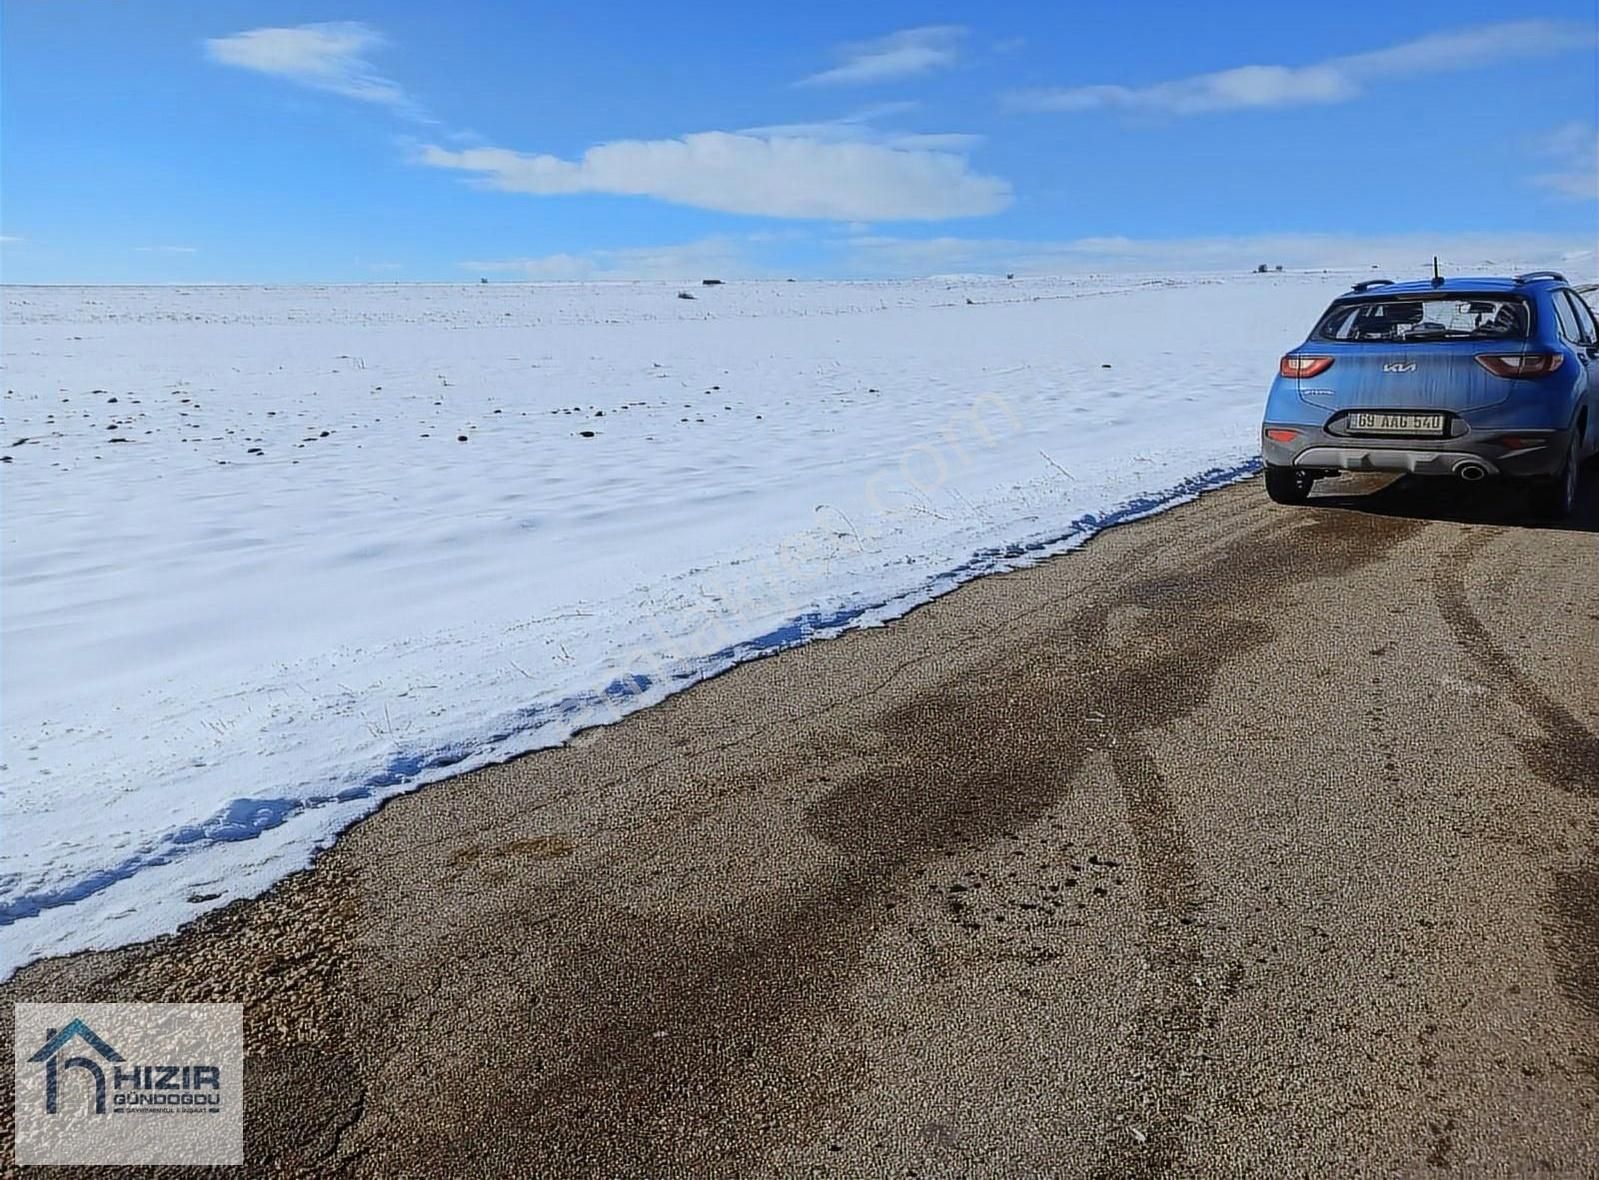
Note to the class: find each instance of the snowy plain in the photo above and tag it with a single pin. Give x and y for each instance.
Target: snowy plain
(273, 554)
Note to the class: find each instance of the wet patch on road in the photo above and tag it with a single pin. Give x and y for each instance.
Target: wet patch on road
(1575, 947)
(654, 1039)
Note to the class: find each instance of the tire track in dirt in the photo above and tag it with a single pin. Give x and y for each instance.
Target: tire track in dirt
(1567, 753)
(1564, 754)
(1181, 1002)
(1188, 986)
(1148, 1140)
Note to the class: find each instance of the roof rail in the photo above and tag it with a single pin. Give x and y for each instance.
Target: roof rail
(1368, 284)
(1541, 274)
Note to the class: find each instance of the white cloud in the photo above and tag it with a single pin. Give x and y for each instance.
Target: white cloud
(328, 56)
(904, 54)
(856, 125)
(763, 175)
(1335, 80)
(716, 257)
(1574, 150)
(166, 250)
(1400, 255)
(9, 239)
(843, 170)
(861, 127)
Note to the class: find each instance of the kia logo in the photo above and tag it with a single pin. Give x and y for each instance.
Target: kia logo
(1399, 367)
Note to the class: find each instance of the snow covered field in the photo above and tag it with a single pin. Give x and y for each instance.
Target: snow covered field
(273, 554)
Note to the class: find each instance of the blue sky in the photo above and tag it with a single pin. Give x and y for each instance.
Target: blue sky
(231, 141)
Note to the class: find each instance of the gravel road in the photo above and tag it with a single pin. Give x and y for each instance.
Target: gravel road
(1246, 840)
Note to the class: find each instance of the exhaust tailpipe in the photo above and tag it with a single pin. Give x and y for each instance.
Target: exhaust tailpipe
(1469, 471)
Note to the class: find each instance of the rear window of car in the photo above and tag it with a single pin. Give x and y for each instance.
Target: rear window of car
(1428, 317)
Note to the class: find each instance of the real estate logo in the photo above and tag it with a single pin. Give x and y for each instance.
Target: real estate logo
(129, 1083)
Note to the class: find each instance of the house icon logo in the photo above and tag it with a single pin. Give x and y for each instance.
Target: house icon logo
(146, 1084)
(60, 1041)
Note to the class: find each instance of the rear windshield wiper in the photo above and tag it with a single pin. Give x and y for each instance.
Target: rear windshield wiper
(1459, 335)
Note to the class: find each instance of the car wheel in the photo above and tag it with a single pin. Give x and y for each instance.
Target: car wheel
(1288, 485)
(1556, 498)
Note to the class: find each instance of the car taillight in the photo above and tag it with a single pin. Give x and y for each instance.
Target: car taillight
(1282, 436)
(1303, 366)
(1521, 364)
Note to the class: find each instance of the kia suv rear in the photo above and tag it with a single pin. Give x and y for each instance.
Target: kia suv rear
(1490, 378)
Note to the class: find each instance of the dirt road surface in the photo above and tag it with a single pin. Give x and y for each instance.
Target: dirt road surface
(1245, 841)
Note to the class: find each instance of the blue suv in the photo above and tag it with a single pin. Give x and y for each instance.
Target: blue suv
(1472, 378)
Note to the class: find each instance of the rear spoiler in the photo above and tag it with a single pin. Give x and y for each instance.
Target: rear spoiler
(1541, 274)
(1362, 288)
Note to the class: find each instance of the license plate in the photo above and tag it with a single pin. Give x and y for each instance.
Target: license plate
(1397, 423)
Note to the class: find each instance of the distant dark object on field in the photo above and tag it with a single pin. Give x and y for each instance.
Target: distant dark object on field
(1278, 268)
(710, 282)
(1262, 269)
(1010, 276)
(684, 295)
(483, 281)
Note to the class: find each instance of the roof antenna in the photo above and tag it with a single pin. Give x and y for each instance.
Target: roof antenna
(1437, 279)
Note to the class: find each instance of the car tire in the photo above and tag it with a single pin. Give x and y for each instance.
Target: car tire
(1288, 485)
(1555, 498)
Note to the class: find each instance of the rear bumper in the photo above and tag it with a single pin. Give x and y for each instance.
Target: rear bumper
(1346, 458)
(1538, 453)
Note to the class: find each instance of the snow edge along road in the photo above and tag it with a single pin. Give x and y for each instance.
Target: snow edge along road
(530, 728)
